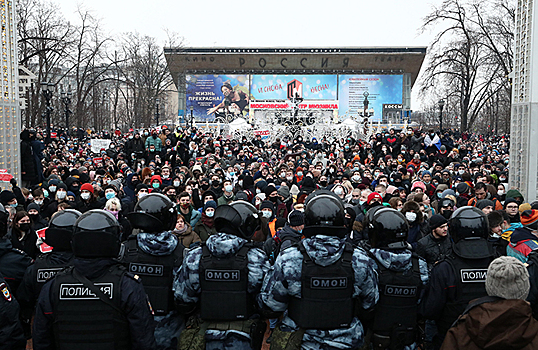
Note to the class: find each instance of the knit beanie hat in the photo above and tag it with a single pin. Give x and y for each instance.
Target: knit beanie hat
(508, 201)
(267, 204)
(507, 278)
(483, 203)
(6, 196)
(296, 218)
(524, 206)
(210, 204)
(284, 191)
(436, 221)
(374, 195)
(529, 218)
(87, 187)
(418, 184)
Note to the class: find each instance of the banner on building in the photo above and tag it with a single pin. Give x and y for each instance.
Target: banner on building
(282, 87)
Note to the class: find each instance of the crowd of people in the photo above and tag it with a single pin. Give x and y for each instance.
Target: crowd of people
(332, 233)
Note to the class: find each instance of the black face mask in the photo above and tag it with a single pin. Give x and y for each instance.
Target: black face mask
(172, 197)
(24, 227)
(354, 201)
(216, 183)
(447, 214)
(273, 199)
(323, 183)
(205, 187)
(34, 217)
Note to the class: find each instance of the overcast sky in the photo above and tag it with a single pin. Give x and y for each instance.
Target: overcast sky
(276, 23)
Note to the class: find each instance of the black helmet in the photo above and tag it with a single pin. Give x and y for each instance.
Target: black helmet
(153, 214)
(324, 215)
(96, 234)
(467, 222)
(60, 230)
(239, 218)
(322, 192)
(388, 229)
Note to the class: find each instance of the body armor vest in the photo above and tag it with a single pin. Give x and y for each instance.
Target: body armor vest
(470, 276)
(224, 285)
(47, 266)
(396, 310)
(82, 321)
(156, 272)
(326, 293)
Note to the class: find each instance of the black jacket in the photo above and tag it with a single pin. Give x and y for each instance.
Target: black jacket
(13, 263)
(433, 249)
(11, 334)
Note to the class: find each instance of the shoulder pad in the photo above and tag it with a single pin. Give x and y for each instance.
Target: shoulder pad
(133, 277)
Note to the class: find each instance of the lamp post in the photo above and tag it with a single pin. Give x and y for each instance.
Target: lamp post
(192, 118)
(47, 89)
(66, 99)
(157, 101)
(441, 104)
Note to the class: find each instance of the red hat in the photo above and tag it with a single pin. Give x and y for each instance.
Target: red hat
(373, 195)
(87, 187)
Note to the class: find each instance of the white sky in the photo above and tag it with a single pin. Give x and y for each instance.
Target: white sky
(275, 23)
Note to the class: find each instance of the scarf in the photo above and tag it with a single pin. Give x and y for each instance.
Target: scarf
(181, 232)
(209, 222)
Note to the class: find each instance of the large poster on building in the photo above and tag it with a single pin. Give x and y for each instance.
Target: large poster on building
(213, 95)
(377, 90)
(282, 87)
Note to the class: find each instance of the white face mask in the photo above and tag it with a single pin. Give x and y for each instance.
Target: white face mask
(85, 196)
(267, 214)
(61, 194)
(410, 216)
(500, 192)
(338, 191)
(289, 178)
(461, 171)
(52, 188)
(176, 183)
(141, 195)
(38, 202)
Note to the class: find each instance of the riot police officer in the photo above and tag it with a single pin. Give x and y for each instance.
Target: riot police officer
(223, 277)
(461, 277)
(402, 276)
(155, 254)
(58, 235)
(11, 333)
(95, 303)
(323, 282)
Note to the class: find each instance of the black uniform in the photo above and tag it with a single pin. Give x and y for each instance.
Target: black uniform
(13, 263)
(11, 334)
(70, 315)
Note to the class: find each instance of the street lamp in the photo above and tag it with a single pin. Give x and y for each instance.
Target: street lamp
(192, 118)
(47, 89)
(441, 104)
(157, 101)
(66, 100)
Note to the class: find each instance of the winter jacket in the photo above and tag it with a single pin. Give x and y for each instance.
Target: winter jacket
(502, 324)
(155, 142)
(433, 249)
(203, 231)
(522, 242)
(188, 237)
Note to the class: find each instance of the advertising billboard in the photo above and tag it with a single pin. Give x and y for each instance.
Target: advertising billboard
(377, 90)
(282, 87)
(211, 95)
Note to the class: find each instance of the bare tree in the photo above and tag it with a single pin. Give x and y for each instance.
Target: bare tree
(469, 57)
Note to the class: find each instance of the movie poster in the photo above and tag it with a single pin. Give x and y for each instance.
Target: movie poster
(217, 95)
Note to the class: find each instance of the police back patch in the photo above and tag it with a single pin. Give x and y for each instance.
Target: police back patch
(146, 269)
(473, 275)
(43, 275)
(81, 292)
(328, 282)
(222, 275)
(5, 292)
(400, 291)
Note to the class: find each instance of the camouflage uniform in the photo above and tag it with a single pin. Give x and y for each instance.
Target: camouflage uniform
(400, 260)
(187, 284)
(284, 282)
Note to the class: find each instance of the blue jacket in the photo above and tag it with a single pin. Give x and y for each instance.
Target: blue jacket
(284, 282)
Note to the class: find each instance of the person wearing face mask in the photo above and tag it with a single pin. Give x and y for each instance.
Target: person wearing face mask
(153, 140)
(228, 195)
(340, 191)
(60, 197)
(417, 227)
(267, 210)
(113, 206)
(156, 184)
(8, 199)
(21, 234)
(88, 201)
(186, 209)
(37, 221)
(205, 227)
